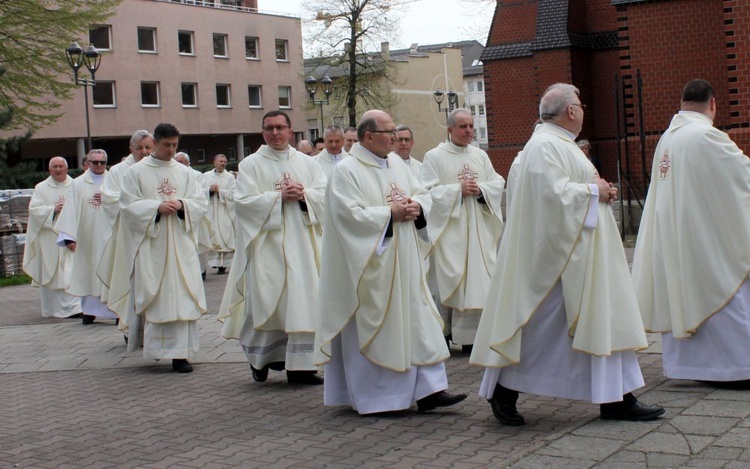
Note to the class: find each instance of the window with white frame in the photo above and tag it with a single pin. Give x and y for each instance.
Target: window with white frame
(223, 95)
(480, 86)
(482, 133)
(285, 96)
(189, 95)
(147, 40)
(186, 42)
(480, 109)
(100, 36)
(220, 45)
(282, 46)
(150, 94)
(470, 86)
(254, 93)
(251, 48)
(473, 109)
(104, 94)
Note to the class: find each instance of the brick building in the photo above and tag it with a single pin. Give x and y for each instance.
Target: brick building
(603, 47)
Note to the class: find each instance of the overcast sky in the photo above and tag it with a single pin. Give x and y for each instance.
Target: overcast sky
(422, 21)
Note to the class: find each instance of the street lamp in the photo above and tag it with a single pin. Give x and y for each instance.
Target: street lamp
(91, 59)
(452, 101)
(312, 88)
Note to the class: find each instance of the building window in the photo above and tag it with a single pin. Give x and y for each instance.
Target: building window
(223, 95)
(220, 45)
(147, 40)
(312, 126)
(281, 50)
(285, 96)
(185, 42)
(150, 93)
(480, 86)
(104, 94)
(473, 109)
(470, 86)
(254, 96)
(482, 133)
(101, 36)
(189, 95)
(481, 109)
(251, 48)
(232, 156)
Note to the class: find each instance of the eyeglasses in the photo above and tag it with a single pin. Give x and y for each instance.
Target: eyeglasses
(392, 132)
(97, 162)
(277, 128)
(404, 140)
(582, 106)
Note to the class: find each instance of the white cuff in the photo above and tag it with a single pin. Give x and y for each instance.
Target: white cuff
(592, 217)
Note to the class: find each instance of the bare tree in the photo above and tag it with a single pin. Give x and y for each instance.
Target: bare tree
(347, 34)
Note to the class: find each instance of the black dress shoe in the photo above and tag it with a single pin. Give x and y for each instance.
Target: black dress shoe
(203, 275)
(260, 375)
(222, 270)
(76, 316)
(88, 319)
(466, 349)
(503, 405)
(181, 365)
(439, 399)
(635, 412)
(303, 377)
(736, 385)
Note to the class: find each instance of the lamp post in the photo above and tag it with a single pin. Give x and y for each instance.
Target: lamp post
(452, 101)
(91, 59)
(312, 88)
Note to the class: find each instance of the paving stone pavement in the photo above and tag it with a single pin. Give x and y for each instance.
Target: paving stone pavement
(72, 397)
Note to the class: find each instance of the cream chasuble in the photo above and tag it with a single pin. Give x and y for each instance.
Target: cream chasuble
(545, 242)
(43, 260)
(160, 257)
(464, 232)
(274, 277)
(385, 293)
(111, 188)
(84, 220)
(221, 209)
(415, 166)
(327, 161)
(206, 231)
(692, 254)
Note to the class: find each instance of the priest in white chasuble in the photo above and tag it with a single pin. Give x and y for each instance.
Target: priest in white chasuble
(206, 231)
(404, 145)
(271, 298)
(43, 260)
(692, 257)
(156, 286)
(141, 146)
(379, 333)
(220, 185)
(561, 317)
(333, 153)
(82, 228)
(465, 225)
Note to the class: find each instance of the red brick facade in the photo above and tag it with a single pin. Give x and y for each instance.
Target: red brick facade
(600, 44)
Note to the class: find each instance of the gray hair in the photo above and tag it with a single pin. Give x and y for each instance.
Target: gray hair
(454, 113)
(404, 128)
(97, 151)
(556, 99)
(140, 135)
(368, 124)
(182, 153)
(333, 129)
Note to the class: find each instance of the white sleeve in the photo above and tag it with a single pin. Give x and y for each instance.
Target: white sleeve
(592, 217)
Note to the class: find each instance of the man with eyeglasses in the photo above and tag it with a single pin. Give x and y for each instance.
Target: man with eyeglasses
(561, 317)
(82, 227)
(692, 258)
(43, 260)
(404, 144)
(379, 335)
(465, 225)
(156, 286)
(333, 153)
(271, 300)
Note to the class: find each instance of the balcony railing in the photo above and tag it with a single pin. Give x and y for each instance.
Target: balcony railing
(228, 5)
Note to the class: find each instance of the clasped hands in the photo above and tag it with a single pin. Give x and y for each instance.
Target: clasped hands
(405, 210)
(607, 192)
(292, 192)
(470, 188)
(170, 207)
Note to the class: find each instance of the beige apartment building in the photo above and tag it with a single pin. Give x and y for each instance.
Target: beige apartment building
(415, 74)
(211, 68)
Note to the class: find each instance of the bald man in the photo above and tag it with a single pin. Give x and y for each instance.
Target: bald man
(43, 260)
(304, 146)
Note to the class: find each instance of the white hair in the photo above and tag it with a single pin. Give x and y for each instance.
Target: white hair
(555, 99)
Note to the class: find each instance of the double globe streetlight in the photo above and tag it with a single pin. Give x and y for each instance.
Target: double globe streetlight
(313, 86)
(452, 101)
(91, 59)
